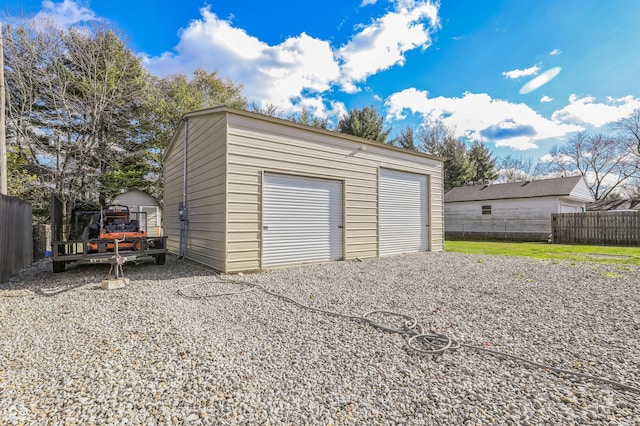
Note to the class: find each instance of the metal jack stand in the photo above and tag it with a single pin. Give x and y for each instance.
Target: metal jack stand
(119, 281)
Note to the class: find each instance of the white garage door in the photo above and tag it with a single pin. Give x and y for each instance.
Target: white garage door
(302, 220)
(403, 212)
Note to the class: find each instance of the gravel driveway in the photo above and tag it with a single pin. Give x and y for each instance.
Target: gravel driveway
(71, 353)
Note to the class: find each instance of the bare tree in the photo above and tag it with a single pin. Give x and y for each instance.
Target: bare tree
(270, 110)
(516, 169)
(438, 139)
(630, 189)
(433, 135)
(629, 130)
(167, 100)
(75, 95)
(605, 161)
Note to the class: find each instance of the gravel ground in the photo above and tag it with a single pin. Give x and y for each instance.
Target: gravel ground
(71, 353)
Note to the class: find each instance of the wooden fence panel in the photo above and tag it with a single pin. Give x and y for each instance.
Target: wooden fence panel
(598, 228)
(16, 239)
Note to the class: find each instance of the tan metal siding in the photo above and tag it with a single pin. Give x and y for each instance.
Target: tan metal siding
(255, 145)
(206, 171)
(173, 194)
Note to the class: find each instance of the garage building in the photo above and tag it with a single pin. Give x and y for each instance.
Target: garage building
(244, 191)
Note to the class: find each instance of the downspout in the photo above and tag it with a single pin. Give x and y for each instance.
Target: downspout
(182, 208)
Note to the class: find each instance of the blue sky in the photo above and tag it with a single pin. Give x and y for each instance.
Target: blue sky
(520, 75)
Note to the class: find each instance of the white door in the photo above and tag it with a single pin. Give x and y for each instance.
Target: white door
(403, 212)
(302, 220)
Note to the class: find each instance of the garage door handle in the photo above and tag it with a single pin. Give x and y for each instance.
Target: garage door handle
(266, 228)
(340, 227)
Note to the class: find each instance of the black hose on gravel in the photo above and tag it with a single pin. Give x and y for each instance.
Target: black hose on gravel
(419, 342)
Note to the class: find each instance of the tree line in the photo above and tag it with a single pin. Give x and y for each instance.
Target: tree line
(609, 162)
(85, 120)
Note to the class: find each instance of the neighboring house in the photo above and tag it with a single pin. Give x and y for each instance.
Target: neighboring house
(144, 208)
(615, 205)
(513, 211)
(262, 192)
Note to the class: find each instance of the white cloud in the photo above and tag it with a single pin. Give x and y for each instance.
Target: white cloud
(270, 74)
(409, 100)
(540, 80)
(478, 116)
(350, 88)
(546, 99)
(384, 42)
(521, 73)
(338, 109)
(586, 110)
(555, 52)
(66, 13)
(561, 158)
(302, 66)
(367, 2)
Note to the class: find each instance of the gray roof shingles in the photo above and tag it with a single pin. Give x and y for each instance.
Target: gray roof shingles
(499, 191)
(604, 205)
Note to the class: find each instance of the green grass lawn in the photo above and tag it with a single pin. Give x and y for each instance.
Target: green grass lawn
(578, 253)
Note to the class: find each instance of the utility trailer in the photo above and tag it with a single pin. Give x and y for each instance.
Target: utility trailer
(110, 235)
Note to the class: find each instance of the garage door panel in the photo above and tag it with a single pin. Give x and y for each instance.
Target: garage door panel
(302, 220)
(403, 212)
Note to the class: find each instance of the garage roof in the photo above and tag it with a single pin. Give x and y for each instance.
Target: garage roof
(606, 205)
(528, 189)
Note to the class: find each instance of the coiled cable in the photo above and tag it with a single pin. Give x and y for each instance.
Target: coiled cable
(419, 342)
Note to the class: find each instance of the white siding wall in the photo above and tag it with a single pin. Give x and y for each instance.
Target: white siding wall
(582, 193)
(566, 205)
(139, 201)
(525, 215)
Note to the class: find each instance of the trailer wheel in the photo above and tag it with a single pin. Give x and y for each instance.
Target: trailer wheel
(160, 258)
(58, 267)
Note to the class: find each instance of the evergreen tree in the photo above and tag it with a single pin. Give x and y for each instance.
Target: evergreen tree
(304, 116)
(406, 139)
(438, 139)
(485, 166)
(365, 123)
(458, 168)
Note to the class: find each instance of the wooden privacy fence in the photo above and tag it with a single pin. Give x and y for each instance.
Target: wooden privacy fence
(598, 228)
(16, 239)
